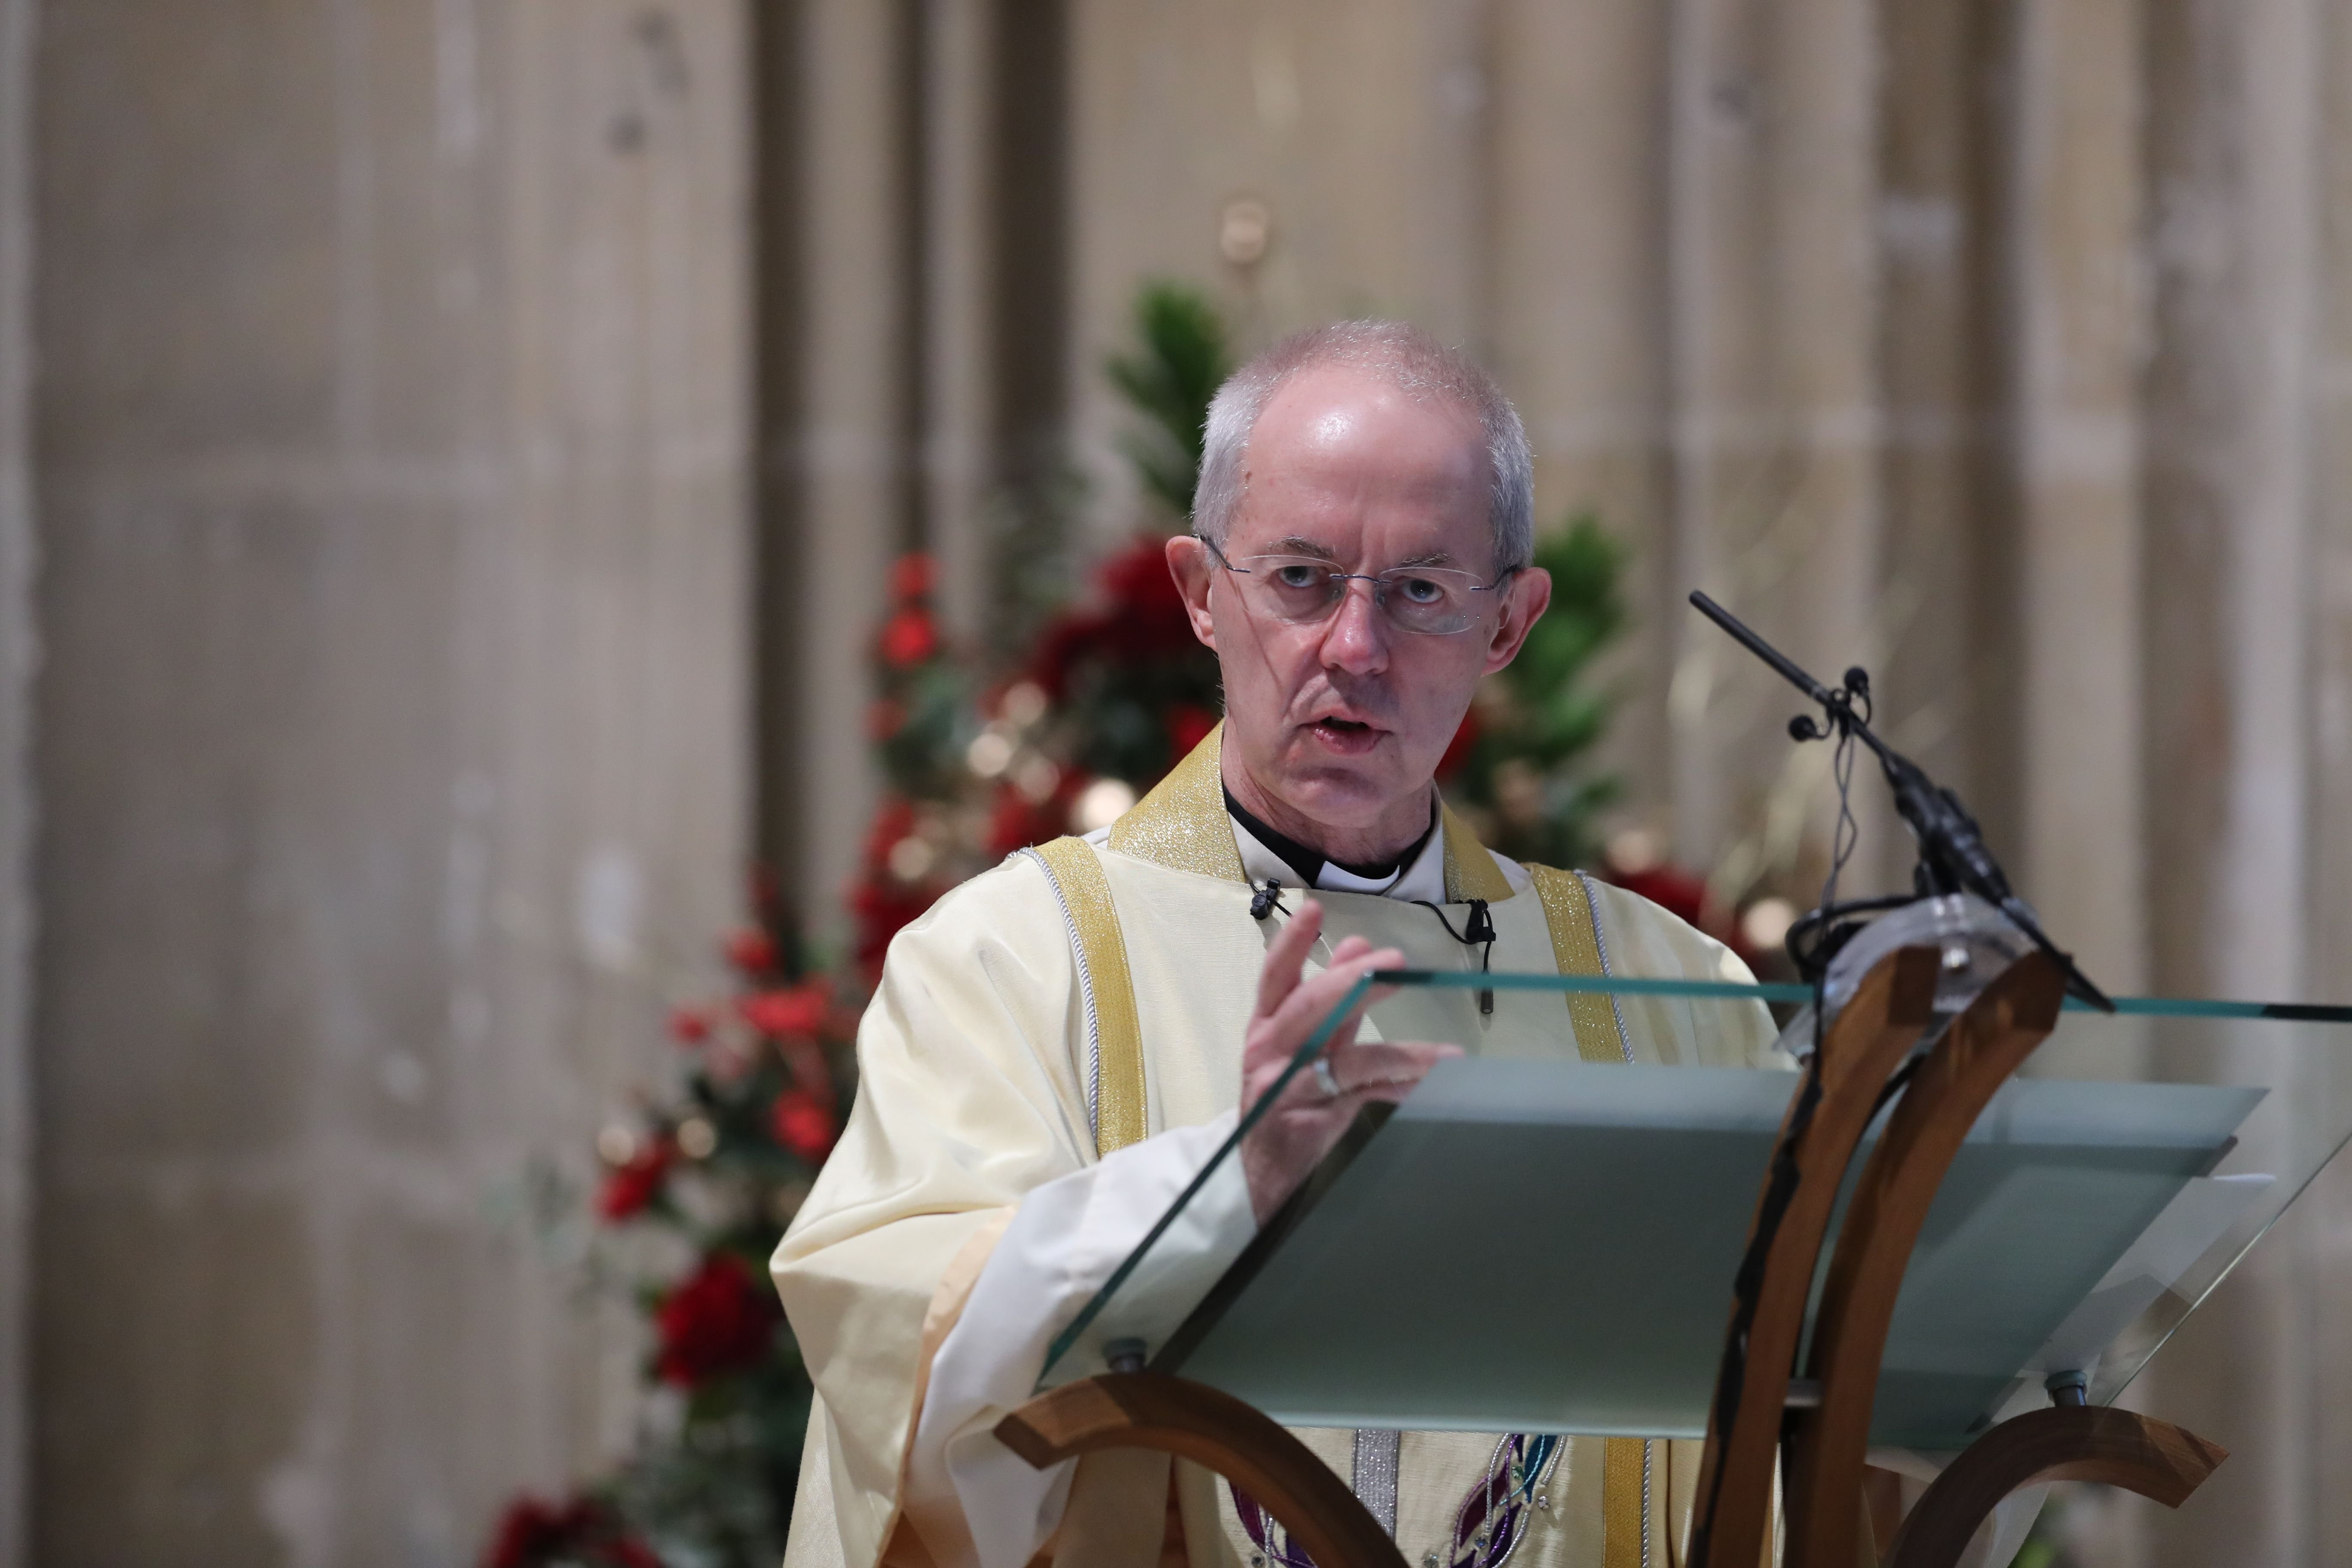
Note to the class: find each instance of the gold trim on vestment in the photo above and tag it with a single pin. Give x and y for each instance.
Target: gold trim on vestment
(1085, 891)
(1571, 917)
(1624, 1505)
(1182, 824)
(1576, 949)
(1470, 870)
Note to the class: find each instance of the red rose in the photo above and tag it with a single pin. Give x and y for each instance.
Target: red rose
(1148, 618)
(535, 1534)
(1457, 750)
(910, 576)
(1065, 642)
(803, 1123)
(894, 819)
(718, 1319)
(1189, 724)
(909, 638)
(883, 906)
(752, 951)
(689, 1025)
(528, 1532)
(1016, 822)
(798, 1011)
(1677, 892)
(628, 1188)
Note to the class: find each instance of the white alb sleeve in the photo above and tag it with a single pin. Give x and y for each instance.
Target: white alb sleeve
(976, 1503)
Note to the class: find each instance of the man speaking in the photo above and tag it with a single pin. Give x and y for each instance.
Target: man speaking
(1055, 1048)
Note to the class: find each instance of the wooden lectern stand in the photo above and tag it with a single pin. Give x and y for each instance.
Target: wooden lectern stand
(1756, 1426)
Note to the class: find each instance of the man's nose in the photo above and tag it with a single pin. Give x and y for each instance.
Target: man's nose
(1356, 639)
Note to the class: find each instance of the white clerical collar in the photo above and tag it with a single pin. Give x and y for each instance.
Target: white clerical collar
(1422, 882)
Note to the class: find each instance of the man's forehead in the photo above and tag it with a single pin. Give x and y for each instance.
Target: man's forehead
(1340, 446)
(1330, 403)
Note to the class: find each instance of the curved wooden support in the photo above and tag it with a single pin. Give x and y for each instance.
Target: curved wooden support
(1193, 1421)
(1870, 1037)
(2094, 1443)
(1952, 1085)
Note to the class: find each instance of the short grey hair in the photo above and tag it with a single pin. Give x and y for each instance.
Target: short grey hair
(1410, 360)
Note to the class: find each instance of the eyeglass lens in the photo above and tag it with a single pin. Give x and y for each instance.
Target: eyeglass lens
(1425, 599)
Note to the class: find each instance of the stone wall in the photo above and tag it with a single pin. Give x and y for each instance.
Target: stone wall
(390, 449)
(18, 651)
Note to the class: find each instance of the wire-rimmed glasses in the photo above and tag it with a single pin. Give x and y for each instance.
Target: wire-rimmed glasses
(1429, 601)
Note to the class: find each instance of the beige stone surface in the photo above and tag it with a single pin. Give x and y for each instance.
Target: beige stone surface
(18, 649)
(391, 472)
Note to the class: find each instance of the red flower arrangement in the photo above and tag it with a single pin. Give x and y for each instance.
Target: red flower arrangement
(582, 1531)
(751, 952)
(1140, 620)
(629, 1188)
(720, 1319)
(1136, 690)
(721, 1165)
(802, 1122)
(793, 1010)
(909, 638)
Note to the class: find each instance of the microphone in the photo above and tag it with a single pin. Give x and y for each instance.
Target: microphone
(1953, 855)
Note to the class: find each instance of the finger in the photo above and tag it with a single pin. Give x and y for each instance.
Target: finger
(1312, 1000)
(1285, 956)
(1371, 1063)
(1378, 1070)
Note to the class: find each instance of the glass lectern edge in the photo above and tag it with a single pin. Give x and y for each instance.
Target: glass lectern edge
(1720, 991)
(1307, 1052)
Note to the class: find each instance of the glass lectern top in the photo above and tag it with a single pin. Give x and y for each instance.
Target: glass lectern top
(1537, 1239)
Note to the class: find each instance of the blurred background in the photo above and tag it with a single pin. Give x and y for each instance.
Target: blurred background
(533, 532)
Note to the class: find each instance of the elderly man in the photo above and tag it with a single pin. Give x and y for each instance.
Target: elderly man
(1055, 1048)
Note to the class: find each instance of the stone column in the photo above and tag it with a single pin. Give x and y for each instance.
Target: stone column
(18, 651)
(2329, 941)
(1772, 273)
(1579, 325)
(1949, 570)
(855, 463)
(2233, 151)
(2074, 287)
(957, 280)
(390, 456)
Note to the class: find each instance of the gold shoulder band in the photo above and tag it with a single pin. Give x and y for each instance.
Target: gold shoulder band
(1182, 824)
(1078, 881)
(1576, 948)
(1575, 927)
(1470, 870)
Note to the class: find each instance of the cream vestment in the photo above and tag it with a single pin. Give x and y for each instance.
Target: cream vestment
(1001, 1159)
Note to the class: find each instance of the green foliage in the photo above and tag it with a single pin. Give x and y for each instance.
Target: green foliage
(1536, 723)
(1181, 359)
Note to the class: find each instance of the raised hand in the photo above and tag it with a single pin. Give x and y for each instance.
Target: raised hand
(1303, 1125)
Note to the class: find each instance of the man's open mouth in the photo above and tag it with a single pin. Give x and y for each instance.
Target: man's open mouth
(1345, 734)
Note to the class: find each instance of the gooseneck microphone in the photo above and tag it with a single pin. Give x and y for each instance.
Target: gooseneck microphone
(1953, 855)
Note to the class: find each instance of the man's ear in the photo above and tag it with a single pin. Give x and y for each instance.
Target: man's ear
(1190, 563)
(1524, 602)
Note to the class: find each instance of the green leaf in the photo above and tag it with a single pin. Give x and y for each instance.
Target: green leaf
(1181, 359)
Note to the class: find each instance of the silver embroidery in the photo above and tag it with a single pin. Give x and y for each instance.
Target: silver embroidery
(1373, 1477)
(1085, 996)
